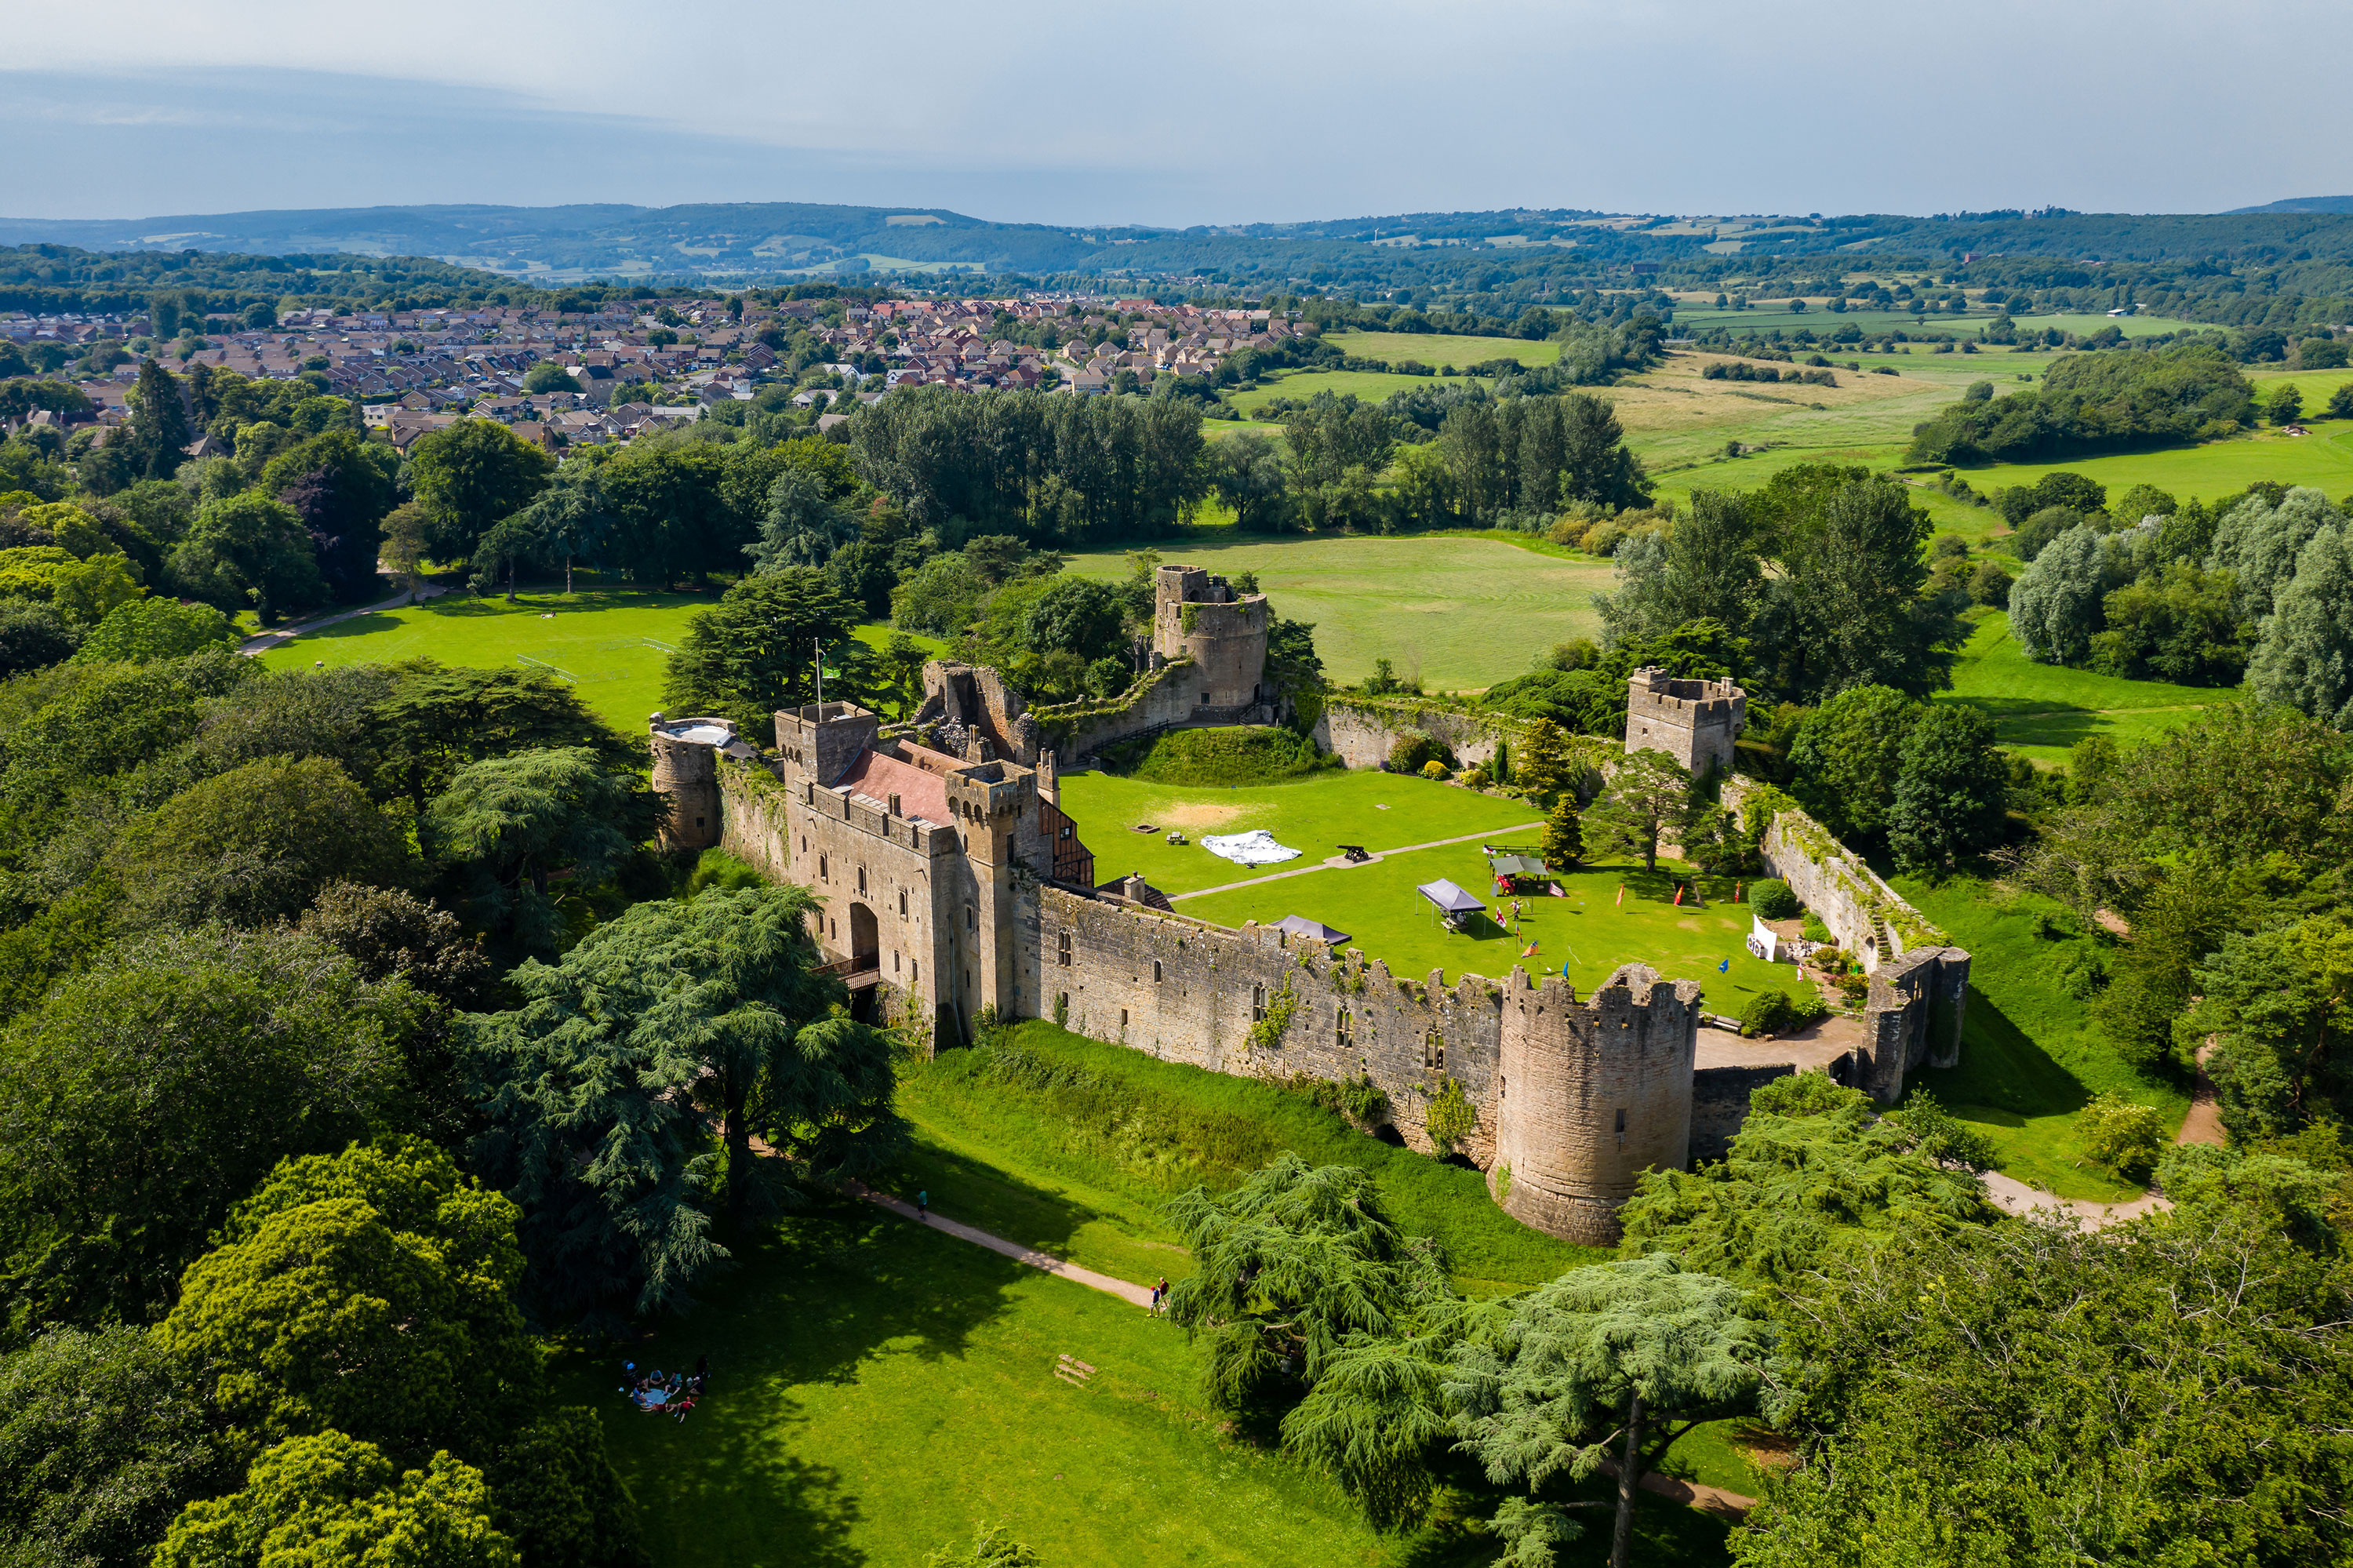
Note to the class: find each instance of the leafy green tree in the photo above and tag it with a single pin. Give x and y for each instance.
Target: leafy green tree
(902, 664)
(2305, 657)
(468, 475)
(1847, 755)
(942, 596)
(247, 552)
(2260, 540)
(548, 376)
(2056, 609)
(756, 652)
(341, 485)
(1815, 1170)
(1564, 834)
(2019, 1393)
(2340, 401)
(1952, 796)
(516, 821)
(257, 843)
(1708, 567)
(102, 1442)
(2122, 1135)
(329, 1501)
(569, 520)
(2180, 920)
(2286, 404)
(159, 424)
(1647, 800)
(1074, 615)
(1543, 768)
(1246, 469)
(140, 1101)
(33, 636)
(367, 1292)
(437, 719)
(1289, 1268)
(1854, 566)
(2280, 1003)
(1631, 1354)
(803, 526)
(2173, 624)
(138, 629)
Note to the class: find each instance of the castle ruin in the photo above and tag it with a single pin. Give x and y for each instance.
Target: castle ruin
(953, 886)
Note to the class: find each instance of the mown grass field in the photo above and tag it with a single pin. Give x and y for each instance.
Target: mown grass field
(2031, 1056)
(1438, 349)
(2044, 709)
(1371, 386)
(1461, 612)
(611, 645)
(1313, 815)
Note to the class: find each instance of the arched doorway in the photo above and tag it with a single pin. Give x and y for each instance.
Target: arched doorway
(865, 937)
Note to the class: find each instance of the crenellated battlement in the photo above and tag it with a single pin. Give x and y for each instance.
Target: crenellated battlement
(1694, 722)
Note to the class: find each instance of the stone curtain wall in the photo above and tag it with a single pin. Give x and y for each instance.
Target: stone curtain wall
(1720, 1104)
(1919, 983)
(1361, 733)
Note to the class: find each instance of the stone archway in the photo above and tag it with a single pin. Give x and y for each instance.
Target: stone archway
(865, 937)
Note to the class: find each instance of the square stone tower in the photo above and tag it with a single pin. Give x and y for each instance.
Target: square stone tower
(1694, 722)
(1197, 615)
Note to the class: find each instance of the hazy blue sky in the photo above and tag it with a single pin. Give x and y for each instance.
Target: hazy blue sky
(1212, 111)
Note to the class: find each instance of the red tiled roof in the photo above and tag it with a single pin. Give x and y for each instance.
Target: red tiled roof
(878, 778)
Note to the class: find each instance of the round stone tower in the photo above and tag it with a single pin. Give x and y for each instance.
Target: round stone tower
(1589, 1097)
(1197, 615)
(686, 775)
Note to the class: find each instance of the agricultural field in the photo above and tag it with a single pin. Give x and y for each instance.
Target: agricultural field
(1463, 613)
(2042, 710)
(612, 645)
(1440, 349)
(1371, 386)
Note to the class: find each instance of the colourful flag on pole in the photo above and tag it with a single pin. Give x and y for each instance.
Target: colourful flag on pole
(1679, 895)
(1724, 968)
(1621, 895)
(1736, 893)
(1530, 950)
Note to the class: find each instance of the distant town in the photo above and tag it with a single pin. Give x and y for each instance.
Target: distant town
(639, 365)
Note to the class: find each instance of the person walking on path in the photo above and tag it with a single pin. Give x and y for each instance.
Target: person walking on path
(1160, 1295)
(924, 1205)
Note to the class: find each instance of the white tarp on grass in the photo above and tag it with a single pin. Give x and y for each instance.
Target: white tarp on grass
(1256, 847)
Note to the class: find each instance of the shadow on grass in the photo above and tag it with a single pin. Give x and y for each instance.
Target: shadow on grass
(1666, 1535)
(2003, 1072)
(809, 1303)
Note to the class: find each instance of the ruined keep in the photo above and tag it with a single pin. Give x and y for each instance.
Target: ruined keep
(1694, 722)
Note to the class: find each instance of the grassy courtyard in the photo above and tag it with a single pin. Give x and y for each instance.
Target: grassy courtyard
(612, 645)
(1463, 613)
(2044, 709)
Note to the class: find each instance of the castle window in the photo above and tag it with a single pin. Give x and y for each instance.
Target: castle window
(1258, 1004)
(1062, 953)
(1433, 1052)
(862, 879)
(903, 903)
(1621, 1121)
(914, 972)
(894, 961)
(821, 874)
(971, 918)
(1341, 1029)
(1122, 1021)
(1156, 972)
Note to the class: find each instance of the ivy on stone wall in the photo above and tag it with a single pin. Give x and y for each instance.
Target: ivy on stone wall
(1268, 1032)
(1451, 1118)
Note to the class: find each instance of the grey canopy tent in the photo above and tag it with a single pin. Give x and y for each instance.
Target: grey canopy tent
(1301, 925)
(1454, 904)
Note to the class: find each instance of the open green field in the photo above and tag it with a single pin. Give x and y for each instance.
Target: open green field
(611, 645)
(1315, 815)
(1707, 318)
(2044, 709)
(1437, 349)
(2031, 1054)
(2323, 460)
(1463, 613)
(1371, 386)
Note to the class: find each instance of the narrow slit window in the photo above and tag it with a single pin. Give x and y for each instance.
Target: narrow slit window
(1156, 972)
(1063, 950)
(1621, 1121)
(1258, 1004)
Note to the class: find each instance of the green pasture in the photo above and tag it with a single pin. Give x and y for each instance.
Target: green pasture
(1371, 386)
(2031, 1056)
(1588, 929)
(1315, 815)
(2044, 709)
(611, 645)
(1436, 349)
(2323, 460)
(1695, 319)
(1461, 612)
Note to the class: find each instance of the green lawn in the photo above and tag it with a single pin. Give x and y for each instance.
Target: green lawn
(1461, 612)
(878, 1390)
(1588, 929)
(2031, 1056)
(1437, 349)
(2044, 709)
(1081, 1171)
(1371, 386)
(612, 645)
(1313, 815)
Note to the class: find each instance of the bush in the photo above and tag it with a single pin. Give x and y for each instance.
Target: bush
(1772, 899)
(2122, 1135)
(1779, 1012)
(1814, 930)
(1413, 752)
(1433, 768)
(1238, 753)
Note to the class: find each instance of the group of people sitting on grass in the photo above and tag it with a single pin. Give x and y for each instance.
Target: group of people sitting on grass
(673, 1393)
